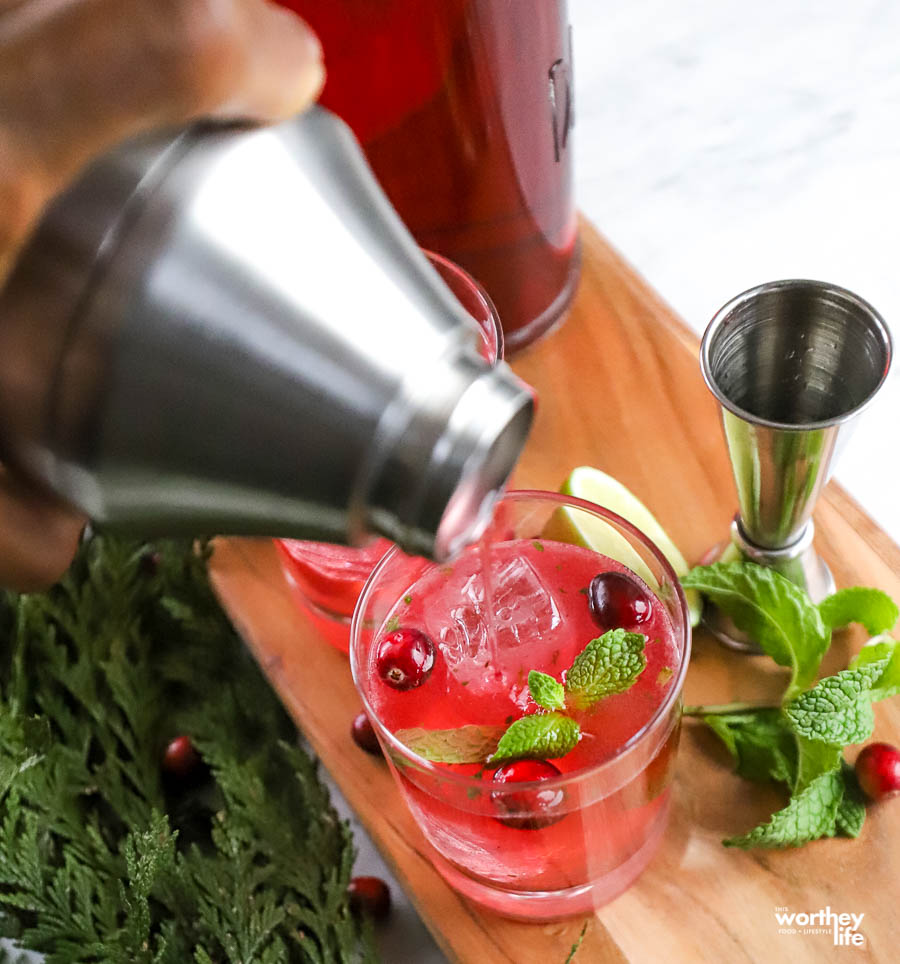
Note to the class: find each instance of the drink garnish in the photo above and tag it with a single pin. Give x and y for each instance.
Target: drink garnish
(462, 744)
(546, 691)
(800, 742)
(538, 736)
(607, 665)
(532, 809)
(589, 483)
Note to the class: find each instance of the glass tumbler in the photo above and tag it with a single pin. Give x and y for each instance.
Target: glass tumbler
(562, 832)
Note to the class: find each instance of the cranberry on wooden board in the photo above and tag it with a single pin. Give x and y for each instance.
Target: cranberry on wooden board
(364, 734)
(878, 770)
(369, 895)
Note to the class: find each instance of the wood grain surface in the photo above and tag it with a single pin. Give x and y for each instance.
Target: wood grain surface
(620, 389)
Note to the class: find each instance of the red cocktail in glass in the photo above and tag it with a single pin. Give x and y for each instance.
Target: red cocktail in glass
(546, 834)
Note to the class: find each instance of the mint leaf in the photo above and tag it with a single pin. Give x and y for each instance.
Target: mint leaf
(464, 744)
(772, 611)
(860, 604)
(850, 817)
(541, 736)
(809, 815)
(888, 684)
(876, 649)
(851, 812)
(761, 743)
(838, 709)
(609, 664)
(813, 759)
(546, 691)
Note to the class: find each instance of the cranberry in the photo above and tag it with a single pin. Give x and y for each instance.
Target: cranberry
(528, 809)
(405, 658)
(369, 895)
(618, 600)
(364, 735)
(878, 770)
(180, 758)
(149, 562)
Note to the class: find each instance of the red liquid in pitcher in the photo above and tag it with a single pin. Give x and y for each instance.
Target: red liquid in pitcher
(464, 108)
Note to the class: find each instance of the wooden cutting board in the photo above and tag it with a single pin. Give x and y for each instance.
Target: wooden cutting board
(620, 389)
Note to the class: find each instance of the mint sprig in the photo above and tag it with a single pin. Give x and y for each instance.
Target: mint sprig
(881, 649)
(813, 759)
(772, 611)
(608, 664)
(462, 744)
(760, 742)
(872, 608)
(540, 736)
(810, 814)
(838, 710)
(851, 812)
(546, 691)
(800, 742)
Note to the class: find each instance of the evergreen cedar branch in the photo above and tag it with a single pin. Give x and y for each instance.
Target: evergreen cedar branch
(100, 860)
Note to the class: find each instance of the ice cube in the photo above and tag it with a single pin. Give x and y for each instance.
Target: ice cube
(475, 624)
(523, 609)
(458, 620)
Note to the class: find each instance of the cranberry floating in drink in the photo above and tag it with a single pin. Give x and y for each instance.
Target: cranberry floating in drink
(619, 599)
(536, 754)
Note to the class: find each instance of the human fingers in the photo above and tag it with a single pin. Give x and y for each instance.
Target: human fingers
(38, 536)
(78, 76)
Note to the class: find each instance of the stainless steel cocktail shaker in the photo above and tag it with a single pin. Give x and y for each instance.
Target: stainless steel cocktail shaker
(230, 330)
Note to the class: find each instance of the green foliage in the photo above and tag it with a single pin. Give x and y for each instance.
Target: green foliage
(546, 691)
(772, 611)
(838, 709)
(463, 744)
(541, 736)
(851, 812)
(809, 815)
(103, 857)
(800, 742)
(761, 743)
(882, 648)
(607, 665)
(872, 608)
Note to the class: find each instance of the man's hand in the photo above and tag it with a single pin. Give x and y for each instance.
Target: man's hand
(76, 78)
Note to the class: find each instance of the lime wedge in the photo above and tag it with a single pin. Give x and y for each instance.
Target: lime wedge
(595, 486)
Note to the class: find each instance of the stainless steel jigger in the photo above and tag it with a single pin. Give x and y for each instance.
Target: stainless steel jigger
(792, 363)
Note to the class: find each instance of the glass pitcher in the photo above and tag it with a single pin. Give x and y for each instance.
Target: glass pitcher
(464, 109)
